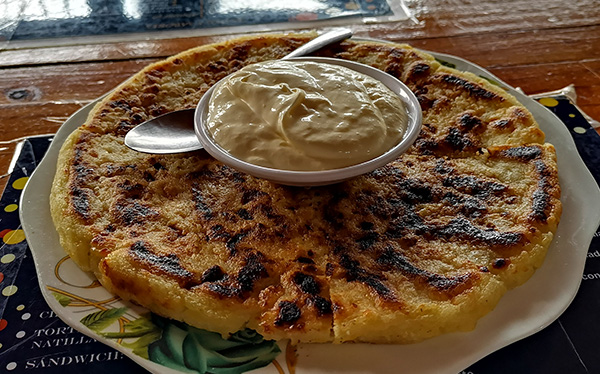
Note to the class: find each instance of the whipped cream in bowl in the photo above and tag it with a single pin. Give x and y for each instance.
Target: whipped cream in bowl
(307, 121)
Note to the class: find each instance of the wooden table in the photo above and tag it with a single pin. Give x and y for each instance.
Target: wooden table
(538, 46)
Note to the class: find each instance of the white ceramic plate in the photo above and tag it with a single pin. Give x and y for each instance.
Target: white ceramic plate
(72, 294)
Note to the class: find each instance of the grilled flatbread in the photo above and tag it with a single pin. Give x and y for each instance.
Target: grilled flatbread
(425, 245)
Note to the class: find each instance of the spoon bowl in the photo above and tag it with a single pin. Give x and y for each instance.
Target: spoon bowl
(168, 133)
(321, 177)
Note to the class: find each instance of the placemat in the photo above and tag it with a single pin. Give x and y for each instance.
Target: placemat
(33, 339)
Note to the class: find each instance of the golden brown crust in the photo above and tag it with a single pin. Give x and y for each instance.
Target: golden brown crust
(422, 246)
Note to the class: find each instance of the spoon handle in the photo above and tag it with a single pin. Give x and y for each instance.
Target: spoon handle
(320, 42)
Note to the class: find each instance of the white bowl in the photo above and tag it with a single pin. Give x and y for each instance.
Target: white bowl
(321, 177)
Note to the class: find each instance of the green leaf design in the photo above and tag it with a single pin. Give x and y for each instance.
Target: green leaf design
(165, 359)
(140, 346)
(173, 337)
(142, 328)
(184, 348)
(492, 81)
(212, 340)
(123, 335)
(134, 329)
(98, 321)
(446, 63)
(142, 324)
(62, 299)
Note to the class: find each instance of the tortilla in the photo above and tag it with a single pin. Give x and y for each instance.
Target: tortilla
(423, 246)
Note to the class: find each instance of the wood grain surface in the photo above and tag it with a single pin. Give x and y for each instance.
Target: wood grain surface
(537, 46)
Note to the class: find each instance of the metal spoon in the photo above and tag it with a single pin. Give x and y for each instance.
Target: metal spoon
(174, 132)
